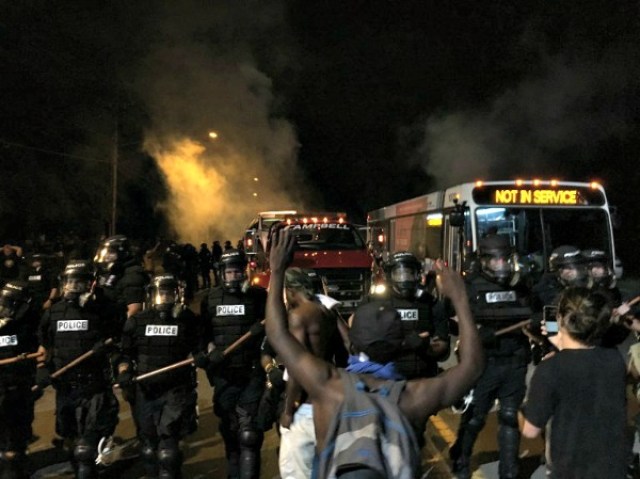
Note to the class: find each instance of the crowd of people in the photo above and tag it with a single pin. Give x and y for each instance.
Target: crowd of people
(351, 396)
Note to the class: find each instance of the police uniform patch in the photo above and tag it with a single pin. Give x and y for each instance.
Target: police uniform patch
(408, 314)
(73, 325)
(230, 310)
(161, 330)
(500, 296)
(8, 341)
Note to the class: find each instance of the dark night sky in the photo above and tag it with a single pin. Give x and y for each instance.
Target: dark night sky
(347, 105)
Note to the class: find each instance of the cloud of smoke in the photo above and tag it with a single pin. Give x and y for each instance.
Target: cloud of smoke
(200, 76)
(524, 130)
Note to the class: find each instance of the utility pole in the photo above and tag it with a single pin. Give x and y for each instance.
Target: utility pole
(114, 181)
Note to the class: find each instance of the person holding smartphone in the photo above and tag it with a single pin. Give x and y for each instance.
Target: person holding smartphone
(578, 394)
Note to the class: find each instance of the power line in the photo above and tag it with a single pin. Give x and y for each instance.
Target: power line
(51, 152)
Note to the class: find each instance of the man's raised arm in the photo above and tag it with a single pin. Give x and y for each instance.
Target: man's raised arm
(458, 380)
(312, 373)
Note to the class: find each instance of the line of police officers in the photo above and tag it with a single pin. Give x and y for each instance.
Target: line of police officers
(104, 321)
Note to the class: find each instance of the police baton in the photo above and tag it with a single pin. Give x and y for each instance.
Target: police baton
(21, 357)
(73, 363)
(188, 362)
(624, 308)
(513, 327)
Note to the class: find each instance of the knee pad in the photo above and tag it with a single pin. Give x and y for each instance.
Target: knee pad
(84, 453)
(508, 416)
(12, 465)
(168, 458)
(476, 423)
(250, 438)
(148, 453)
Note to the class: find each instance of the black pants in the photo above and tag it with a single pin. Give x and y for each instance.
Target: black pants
(502, 379)
(235, 402)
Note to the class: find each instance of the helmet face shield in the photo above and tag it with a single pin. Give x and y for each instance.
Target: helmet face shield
(572, 274)
(404, 280)
(500, 267)
(163, 293)
(12, 297)
(74, 286)
(233, 276)
(8, 306)
(402, 273)
(163, 298)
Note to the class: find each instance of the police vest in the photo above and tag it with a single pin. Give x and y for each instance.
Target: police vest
(232, 315)
(75, 331)
(18, 337)
(498, 306)
(161, 341)
(416, 316)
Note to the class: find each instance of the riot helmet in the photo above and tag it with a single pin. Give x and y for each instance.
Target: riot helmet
(77, 279)
(599, 268)
(403, 274)
(114, 250)
(569, 265)
(14, 296)
(497, 260)
(163, 293)
(233, 265)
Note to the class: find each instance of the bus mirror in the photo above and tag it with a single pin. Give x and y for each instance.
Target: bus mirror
(456, 217)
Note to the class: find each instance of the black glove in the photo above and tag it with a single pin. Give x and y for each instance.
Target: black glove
(201, 360)
(413, 341)
(487, 336)
(100, 349)
(276, 377)
(43, 377)
(257, 329)
(125, 379)
(216, 357)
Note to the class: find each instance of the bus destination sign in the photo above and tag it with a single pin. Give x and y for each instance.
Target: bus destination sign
(505, 195)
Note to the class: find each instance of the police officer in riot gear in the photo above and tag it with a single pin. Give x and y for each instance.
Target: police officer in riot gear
(18, 326)
(419, 313)
(86, 408)
(164, 333)
(121, 277)
(601, 276)
(229, 311)
(498, 299)
(42, 282)
(566, 268)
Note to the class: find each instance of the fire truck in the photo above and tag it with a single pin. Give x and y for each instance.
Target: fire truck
(329, 248)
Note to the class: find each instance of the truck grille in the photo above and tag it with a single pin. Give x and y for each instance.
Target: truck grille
(348, 285)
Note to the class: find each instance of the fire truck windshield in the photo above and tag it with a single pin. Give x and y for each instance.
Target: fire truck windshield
(327, 236)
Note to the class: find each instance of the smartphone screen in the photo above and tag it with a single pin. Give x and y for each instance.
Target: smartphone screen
(552, 327)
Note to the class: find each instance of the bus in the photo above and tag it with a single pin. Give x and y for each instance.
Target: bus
(537, 216)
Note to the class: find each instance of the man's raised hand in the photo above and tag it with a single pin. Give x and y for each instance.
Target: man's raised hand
(449, 282)
(282, 247)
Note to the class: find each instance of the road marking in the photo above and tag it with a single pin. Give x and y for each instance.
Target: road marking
(446, 433)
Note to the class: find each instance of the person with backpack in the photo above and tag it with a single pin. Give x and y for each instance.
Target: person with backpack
(353, 407)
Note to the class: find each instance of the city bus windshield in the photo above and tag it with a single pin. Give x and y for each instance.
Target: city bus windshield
(534, 233)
